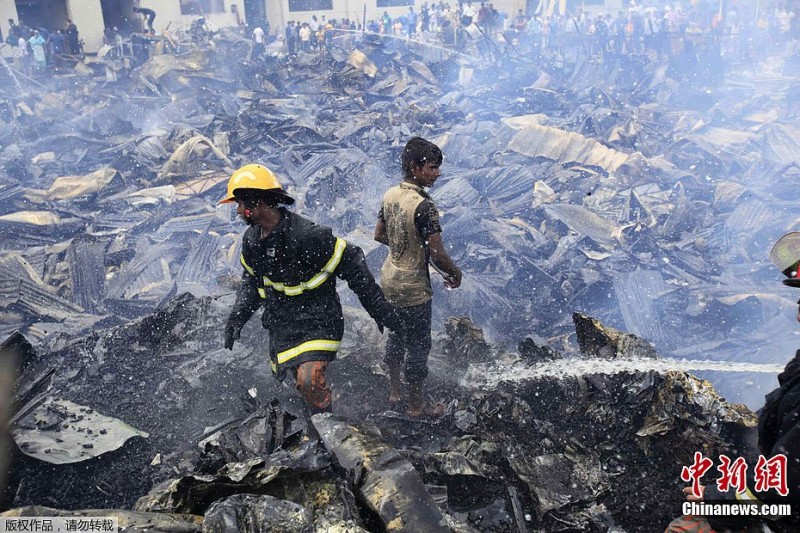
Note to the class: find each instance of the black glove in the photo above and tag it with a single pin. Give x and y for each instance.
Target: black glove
(232, 333)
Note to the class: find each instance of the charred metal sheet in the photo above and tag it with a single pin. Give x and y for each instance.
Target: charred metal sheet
(114, 222)
(457, 190)
(87, 270)
(36, 299)
(189, 223)
(248, 513)
(148, 272)
(512, 188)
(466, 340)
(21, 230)
(386, 481)
(748, 217)
(565, 147)
(70, 187)
(636, 293)
(360, 61)
(268, 429)
(558, 480)
(781, 143)
(14, 267)
(667, 411)
(192, 156)
(586, 222)
(59, 431)
(151, 149)
(271, 474)
(465, 223)
(8, 192)
(200, 262)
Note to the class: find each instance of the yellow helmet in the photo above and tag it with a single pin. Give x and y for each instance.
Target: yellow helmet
(785, 255)
(255, 178)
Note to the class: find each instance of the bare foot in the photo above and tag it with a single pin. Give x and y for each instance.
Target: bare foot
(427, 410)
(395, 386)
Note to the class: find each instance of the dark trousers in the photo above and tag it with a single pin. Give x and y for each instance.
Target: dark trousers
(412, 344)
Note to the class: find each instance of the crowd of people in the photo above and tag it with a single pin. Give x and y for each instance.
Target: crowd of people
(657, 32)
(734, 33)
(34, 49)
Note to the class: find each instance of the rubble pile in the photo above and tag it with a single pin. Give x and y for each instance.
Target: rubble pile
(606, 187)
(552, 453)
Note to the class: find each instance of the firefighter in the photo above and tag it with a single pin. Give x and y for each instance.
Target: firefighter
(290, 268)
(778, 436)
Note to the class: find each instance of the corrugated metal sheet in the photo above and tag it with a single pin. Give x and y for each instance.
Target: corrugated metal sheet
(200, 264)
(585, 222)
(146, 270)
(636, 292)
(115, 220)
(749, 216)
(39, 300)
(456, 191)
(187, 223)
(86, 259)
(564, 146)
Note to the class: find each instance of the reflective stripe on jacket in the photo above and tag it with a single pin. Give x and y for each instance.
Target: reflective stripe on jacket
(292, 274)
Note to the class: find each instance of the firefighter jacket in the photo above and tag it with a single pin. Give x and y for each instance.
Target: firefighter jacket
(778, 433)
(292, 274)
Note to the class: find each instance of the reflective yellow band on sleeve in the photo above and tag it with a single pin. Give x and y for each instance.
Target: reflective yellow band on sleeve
(274, 367)
(336, 258)
(245, 265)
(262, 292)
(317, 280)
(309, 346)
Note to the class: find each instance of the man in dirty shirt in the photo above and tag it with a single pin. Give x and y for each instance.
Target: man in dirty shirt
(408, 222)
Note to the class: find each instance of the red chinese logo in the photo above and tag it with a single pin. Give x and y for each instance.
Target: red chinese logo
(732, 474)
(771, 474)
(694, 472)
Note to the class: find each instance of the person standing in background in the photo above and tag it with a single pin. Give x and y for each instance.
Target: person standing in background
(408, 223)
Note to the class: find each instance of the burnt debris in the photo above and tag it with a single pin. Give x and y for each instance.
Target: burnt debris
(559, 453)
(606, 188)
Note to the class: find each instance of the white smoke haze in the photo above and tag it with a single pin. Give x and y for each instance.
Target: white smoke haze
(568, 185)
